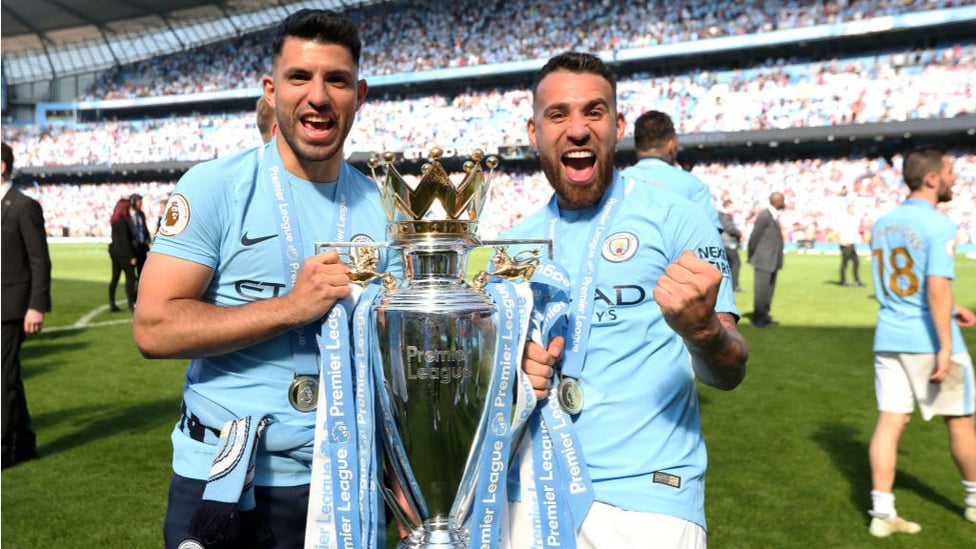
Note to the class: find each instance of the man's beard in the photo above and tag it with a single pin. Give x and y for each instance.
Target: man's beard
(306, 152)
(573, 197)
(944, 194)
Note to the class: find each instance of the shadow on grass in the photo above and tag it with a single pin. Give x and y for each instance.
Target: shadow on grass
(850, 458)
(95, 422)
(43, 353)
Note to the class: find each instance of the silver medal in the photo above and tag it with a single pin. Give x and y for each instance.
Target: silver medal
(303, 393)
(570, 395)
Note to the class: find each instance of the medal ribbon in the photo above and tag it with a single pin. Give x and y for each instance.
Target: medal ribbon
(366, 356)
(545, 315)
(581, 313)
(560, 493)
(274, 178)
(334, 511)
(490, 493)
(345, 493)
(339, 477)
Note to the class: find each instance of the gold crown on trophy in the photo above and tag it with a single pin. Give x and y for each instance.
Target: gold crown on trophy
(462, 202)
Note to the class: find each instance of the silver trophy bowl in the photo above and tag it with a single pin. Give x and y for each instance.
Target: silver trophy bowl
(437, 341)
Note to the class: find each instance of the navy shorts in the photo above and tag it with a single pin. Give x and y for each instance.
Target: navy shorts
(278, 520)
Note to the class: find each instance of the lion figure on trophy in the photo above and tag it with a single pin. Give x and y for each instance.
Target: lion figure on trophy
(362, 267)
(523, 265)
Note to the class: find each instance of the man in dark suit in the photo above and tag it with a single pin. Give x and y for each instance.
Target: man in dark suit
(140, 232)
(765, 253)
(26, 274)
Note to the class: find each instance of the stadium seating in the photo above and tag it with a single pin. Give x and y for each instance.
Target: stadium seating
(862, 87)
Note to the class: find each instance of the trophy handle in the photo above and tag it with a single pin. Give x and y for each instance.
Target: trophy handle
(520, 266)
(545, 242)
(362, 262)
(479, 280)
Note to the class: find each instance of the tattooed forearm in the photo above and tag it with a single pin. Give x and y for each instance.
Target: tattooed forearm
(720, 361)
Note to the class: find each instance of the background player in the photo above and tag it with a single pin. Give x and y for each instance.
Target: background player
(920, 355)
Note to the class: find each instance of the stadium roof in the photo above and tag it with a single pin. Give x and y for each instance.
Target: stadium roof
(27, 24)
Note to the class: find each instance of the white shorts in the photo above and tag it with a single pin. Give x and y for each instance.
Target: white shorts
(902, 379)
(610, 527)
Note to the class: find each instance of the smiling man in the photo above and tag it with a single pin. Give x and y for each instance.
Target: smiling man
(653, 310)
(233, 283)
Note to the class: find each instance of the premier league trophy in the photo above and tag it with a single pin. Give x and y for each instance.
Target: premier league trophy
(437, 339)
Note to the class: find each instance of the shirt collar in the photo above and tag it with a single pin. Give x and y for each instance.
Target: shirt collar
(919, 202)
(653, 160)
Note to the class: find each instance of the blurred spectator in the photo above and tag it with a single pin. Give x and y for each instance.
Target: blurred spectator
(140, 231)
(848, 237)
(122, 250)
(765, 253)
(731, 240)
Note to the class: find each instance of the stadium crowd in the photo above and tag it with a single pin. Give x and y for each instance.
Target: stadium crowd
(894, 86)
(419, 36)
(859, 88)
(818, 191)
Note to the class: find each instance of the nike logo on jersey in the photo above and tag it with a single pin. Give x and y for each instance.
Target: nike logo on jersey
(246, 241)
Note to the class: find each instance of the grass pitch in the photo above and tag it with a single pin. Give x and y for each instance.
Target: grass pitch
(787, 449)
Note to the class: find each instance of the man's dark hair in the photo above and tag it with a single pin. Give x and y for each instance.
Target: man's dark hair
(7, 155)
(324, 26)
(652, 130)
(921, 161)
(576, 62)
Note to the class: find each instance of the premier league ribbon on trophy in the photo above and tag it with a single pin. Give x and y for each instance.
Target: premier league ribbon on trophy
(442, 357)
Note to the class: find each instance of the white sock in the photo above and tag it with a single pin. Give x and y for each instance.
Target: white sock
(884, 505)
(970, 487)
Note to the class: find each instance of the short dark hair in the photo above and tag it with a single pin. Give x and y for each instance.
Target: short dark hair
(325, 26)
(7, 155)
(652, 130)
(577, 62)
(921, 161)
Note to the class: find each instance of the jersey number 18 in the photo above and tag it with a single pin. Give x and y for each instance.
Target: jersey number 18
(902, 281)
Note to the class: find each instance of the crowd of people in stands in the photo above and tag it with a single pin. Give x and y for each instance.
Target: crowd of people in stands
(864, 89)
(420, 36)
(818, 191)
(856, 89)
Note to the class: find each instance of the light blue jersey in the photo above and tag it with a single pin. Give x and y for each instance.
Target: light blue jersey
(910, 243)
(228, 220)
(657, 172)
(641, 414)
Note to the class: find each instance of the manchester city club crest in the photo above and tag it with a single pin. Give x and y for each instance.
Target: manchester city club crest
(620, 247)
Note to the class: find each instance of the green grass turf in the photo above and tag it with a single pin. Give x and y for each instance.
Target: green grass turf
(787, 449)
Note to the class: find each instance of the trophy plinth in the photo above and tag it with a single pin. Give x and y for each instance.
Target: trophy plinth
(435, 534)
